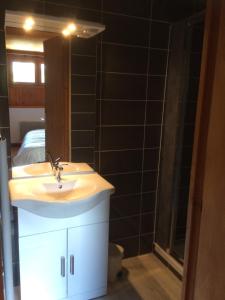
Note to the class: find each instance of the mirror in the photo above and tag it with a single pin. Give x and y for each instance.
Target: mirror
(39, 84)
(27, 91)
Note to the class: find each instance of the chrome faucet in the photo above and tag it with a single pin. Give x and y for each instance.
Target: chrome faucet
(56, 168)
(59, 169)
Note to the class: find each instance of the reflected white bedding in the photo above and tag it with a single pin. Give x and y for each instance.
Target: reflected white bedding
(32, 149)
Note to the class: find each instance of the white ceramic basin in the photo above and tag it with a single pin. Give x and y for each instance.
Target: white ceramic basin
(42, 195)
(45, 169)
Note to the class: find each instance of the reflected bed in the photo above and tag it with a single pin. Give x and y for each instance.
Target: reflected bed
(32, 149)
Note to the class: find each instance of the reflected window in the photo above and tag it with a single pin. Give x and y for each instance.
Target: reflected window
(23, 72)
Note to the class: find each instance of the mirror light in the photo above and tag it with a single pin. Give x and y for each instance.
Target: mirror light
(66, 32)
(72, 27)
(28, 24)
(84, 29)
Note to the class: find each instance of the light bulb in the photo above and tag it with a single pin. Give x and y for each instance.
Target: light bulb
(28, 24)
(66, 32)
(72, 27)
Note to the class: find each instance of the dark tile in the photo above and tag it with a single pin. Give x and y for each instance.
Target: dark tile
(122, 112)
(195, 64)
(4, 112)
(157, 62)
(122, 137)
(190, 112)
(2, 16)
(83, 155)
(186, 156)
(124, 206)
(125, 183)
(128, 7)
(96, 159)
(121, 161)
(83, 84)
(146, 244)
(148, 202)
(193, 85)
(184, 177)
(83, 46)
(86, 4)
(125, 30)
(147, 223)
(98, 85)
(82, 138)
(159, 35)
(2, 48)
(82, 121)
(160, 10)
(97, 139)
(65, 11)
(156, 85)
(130, 245)
(188, 135)
(3, 81)
(152, 138)
(151, 159)
(122, 86)
(149, 181)
(154, 112)
(26, 5)
(83, 103)
(123, 228)
(172, 10)
(83, 65)
(197, 38)
(124, 59)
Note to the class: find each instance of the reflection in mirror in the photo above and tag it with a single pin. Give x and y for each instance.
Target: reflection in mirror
(27, 94)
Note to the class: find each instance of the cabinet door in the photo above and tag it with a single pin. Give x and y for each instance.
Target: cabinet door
(43, 266)
(87, 258)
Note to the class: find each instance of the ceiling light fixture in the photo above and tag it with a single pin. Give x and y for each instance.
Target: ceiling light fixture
(28, 24)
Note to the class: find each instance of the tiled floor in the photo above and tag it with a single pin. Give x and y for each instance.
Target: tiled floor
(145, 277)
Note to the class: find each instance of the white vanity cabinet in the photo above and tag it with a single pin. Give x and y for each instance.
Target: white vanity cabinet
(41, 259)
(86, 256)
(64, 258)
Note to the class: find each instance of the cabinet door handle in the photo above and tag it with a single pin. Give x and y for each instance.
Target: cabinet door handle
(72, 264)
(63, 266)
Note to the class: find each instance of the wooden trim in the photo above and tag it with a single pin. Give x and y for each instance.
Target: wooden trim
(199, 153)
(25, 53)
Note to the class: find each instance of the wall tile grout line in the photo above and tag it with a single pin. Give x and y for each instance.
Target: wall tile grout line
(129, 74)
(105, 12)
(133, 46)
(83, 55)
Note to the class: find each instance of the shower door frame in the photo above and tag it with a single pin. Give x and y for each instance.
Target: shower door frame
(209, 117)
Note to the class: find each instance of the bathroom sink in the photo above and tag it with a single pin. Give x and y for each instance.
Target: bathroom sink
(45, 169)
(43, 196)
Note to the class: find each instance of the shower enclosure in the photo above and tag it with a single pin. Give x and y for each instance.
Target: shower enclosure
(178, 133)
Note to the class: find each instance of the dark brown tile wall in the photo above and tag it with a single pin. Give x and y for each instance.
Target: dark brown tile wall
(117, 86)
(131, 72)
